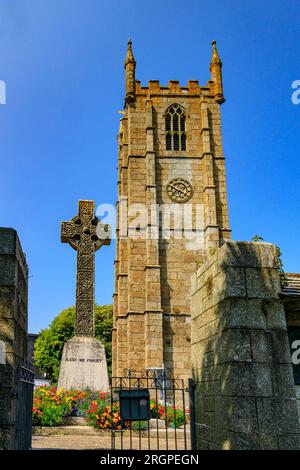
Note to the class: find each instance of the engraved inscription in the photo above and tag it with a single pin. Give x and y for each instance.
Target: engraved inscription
(74, 359)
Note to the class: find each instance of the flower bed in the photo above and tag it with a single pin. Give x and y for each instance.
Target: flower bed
(51, 406)
(103, 415)
(173, 417)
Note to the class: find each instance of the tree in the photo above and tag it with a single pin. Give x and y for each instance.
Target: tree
(50, 342)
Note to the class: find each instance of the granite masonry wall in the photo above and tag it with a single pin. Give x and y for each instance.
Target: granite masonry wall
(13, 330)
(241, 361)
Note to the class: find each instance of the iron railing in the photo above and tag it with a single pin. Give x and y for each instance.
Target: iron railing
(24, 409)
(168, 428)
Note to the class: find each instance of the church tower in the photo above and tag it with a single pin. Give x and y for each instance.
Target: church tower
(171, 214)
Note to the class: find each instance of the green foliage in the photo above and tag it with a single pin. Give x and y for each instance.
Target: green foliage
(139, 425)
(103, 330)
(174, 417)
(257, 238)
(84, 404)
(52, 415)
(50, 405)
(49, 345)
(279, 260)
(100, 415)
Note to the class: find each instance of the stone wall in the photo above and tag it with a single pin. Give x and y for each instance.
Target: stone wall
(13, 329)
(241, 362)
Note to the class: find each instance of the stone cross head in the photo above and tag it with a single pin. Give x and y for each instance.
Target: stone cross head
(85, 226)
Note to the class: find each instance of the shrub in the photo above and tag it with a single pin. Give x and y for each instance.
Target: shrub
(139, 425)
(51, 415)
(176, 417)
(173, 416)
(84, 404)
(157, 410)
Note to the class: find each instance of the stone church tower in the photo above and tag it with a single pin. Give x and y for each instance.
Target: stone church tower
(170, 158)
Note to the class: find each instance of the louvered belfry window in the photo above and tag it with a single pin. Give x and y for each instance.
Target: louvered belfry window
(175, 128)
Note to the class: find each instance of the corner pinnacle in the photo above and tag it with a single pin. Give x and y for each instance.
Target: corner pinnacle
(129, 56)
(215, 55)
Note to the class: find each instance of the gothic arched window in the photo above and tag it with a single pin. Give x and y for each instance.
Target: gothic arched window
(175, 128)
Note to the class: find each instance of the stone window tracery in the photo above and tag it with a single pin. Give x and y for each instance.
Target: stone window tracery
(175, 128)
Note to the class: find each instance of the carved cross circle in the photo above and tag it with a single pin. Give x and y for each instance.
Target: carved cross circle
(85, 226)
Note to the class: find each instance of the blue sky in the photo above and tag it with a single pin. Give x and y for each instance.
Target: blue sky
(62, 62)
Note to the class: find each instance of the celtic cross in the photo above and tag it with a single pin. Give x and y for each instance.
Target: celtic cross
(86, 234)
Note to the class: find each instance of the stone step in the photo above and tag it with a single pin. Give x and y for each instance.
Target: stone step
(66, 430)
(74, 421)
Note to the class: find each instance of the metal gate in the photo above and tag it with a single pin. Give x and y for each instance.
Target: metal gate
(149, 411)
(24, 409)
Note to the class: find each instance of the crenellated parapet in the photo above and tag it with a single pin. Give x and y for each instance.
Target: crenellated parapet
(212, 89)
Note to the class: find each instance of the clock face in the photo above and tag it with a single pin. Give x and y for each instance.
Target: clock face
(179, 190)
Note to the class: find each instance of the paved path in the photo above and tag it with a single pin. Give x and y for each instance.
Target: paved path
(102, 442)
(71, 442)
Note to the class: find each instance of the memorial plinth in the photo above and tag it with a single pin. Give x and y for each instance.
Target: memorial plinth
(83, 365)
